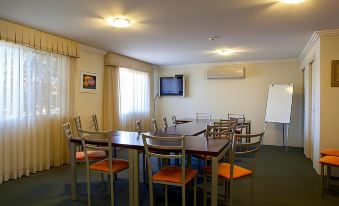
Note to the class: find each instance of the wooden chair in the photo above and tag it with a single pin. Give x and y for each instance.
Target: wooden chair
(329, 158)
(168, 175)
(139, 130)
(164, 122)
(228, 172)
(154, 125)
(101, 141)
(241, 121)
(174, 120)
(206, 116)
(95, 122)
(78, 126)
(214, 132)
(80, 156)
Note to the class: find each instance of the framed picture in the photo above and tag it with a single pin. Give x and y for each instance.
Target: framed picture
(335, 73)
(88, 82)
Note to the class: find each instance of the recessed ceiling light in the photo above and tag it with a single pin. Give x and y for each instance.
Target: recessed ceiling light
(292, 1)
(119, 22)
(225, 51)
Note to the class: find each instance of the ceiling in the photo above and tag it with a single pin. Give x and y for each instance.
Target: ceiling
(168, 32)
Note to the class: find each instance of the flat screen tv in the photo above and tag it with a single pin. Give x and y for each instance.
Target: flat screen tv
(172, 86)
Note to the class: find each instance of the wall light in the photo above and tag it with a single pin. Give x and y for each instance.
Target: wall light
(119, 22)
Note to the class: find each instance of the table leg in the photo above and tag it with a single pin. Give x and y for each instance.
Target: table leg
(133, 173)
(189, 161)
(214, 187)
(74, 187)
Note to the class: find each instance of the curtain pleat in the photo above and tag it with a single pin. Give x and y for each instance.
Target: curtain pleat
(26, 36)
(111, 98)
(112, 59)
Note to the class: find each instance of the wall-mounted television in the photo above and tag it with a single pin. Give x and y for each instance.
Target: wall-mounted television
(172, 86)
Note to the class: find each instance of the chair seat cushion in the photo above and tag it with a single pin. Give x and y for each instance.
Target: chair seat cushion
(117, 165)
(224, 171)
(173, 174)
(92, 155)
(330, 160)
(332, 152)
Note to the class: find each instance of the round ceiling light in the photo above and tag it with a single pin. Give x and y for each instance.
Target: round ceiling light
(292, 1)
(119, 22)
(225, 52)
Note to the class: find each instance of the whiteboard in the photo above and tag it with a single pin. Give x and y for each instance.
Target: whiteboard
(279, 103)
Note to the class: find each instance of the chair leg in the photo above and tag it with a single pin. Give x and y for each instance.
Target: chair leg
(88, 185)
(205, 190)
(144, 166)
(322, 180)
(231, 192)
(195, 191)
(166, 196)
(328, 177)
(111, 179)
(183, 193)
(150, 188)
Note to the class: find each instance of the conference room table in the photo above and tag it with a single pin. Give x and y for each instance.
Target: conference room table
(132, 141)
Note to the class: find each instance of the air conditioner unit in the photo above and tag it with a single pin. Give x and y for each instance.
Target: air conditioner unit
(225, 73)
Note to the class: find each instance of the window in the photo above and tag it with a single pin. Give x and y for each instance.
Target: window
(134, 97)
(31, 81)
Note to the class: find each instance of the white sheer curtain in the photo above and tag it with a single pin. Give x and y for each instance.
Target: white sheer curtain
(33, 104)
(134, 98)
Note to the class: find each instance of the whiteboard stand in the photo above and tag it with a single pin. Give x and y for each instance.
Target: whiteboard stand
(285, 141)
(279, 106)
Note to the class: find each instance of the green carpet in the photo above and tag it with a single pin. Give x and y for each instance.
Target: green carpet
(282, 179)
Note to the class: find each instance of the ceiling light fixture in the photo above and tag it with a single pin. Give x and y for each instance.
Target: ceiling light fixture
(119, 22)
(292, 1)
(225, 52)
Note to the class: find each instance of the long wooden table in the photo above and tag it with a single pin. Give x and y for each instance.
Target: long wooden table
(195, 145)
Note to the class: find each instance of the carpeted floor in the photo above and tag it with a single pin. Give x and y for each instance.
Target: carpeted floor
(282, 179)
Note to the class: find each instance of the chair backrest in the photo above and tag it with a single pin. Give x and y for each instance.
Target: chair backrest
(241, 120)
(156, 145)
(220, 132)
(154, 125)
(164, 122)
(68, 133)
(138, 126)
(246, 149)
(78, 124)
(93, 140)
(95, 122)
(200, 115)
(174, 120)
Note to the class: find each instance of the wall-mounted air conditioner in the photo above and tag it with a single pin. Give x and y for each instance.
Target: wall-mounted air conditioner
(225, 73)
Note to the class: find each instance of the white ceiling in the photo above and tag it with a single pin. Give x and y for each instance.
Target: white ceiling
(168, 32)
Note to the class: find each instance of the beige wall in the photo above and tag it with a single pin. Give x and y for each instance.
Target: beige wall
(90, 103)
(246, 96)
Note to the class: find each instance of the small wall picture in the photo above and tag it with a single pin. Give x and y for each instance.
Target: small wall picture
(88, 82)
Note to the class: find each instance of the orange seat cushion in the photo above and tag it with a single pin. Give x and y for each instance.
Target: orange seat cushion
(92, 155)
(330, 160)
(173, 174)
(203, 157)
(224, 171)
(117, 165)
(332, 152)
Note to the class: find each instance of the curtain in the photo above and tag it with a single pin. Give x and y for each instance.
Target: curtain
(111, 98)
(34, 102)
(134, 98)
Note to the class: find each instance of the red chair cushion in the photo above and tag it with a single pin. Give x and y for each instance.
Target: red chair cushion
(330, 160)
(173, 174)
(225, 171)
(103, 166)
(92, 155)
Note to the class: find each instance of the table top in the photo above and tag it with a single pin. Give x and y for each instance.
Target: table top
(195, 145)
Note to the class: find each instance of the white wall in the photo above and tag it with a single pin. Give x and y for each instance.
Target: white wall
(90, 103)
(247, 96)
